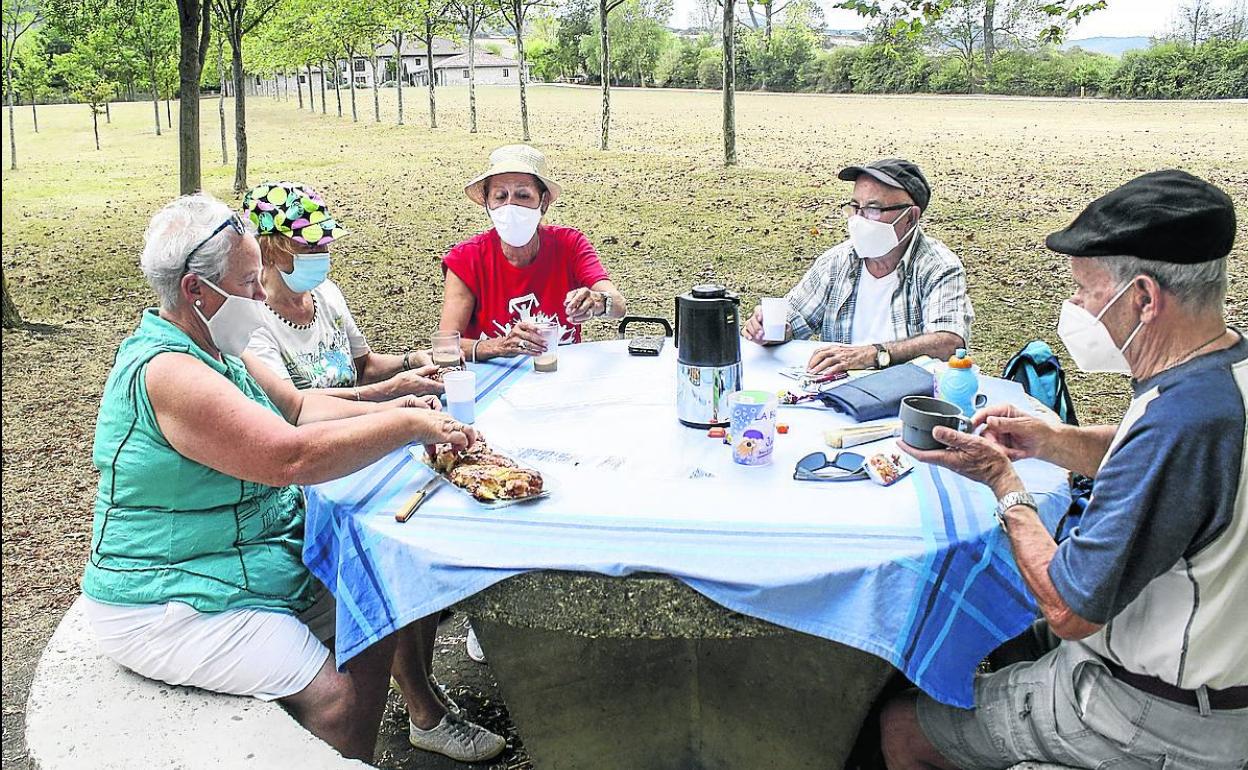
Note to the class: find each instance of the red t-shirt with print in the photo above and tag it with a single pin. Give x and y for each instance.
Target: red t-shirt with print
(505, 293)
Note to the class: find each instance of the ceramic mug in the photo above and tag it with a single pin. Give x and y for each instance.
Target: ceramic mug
(919, 414)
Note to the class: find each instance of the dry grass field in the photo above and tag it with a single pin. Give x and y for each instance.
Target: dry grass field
(659, 205)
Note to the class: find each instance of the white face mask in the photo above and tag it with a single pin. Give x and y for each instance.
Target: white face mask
(1088, 339)
(873, 240)
(231, 326)
(515, 224)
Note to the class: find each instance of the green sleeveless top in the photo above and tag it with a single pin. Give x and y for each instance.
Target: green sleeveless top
(168, 529)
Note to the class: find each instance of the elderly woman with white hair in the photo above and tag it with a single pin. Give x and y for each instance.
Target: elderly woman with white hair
(195, 574)
(500, 281)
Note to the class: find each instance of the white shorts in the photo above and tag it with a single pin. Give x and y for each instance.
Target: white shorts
(260, 653)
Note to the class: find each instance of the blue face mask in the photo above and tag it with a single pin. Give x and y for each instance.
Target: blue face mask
(310, 271)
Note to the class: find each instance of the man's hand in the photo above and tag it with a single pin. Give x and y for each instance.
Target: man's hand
(974, 457)
(1018, 434)
(841, 358)
(583, 304)
(523, 339)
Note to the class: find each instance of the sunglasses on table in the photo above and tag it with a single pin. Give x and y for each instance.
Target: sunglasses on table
(843, 466)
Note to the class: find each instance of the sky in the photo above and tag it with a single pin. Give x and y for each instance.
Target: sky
(1123, 18)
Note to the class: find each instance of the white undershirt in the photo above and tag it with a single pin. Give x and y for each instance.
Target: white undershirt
(873, 311)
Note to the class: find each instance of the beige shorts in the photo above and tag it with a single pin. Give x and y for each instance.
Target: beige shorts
(259, 653)
(1068, 709)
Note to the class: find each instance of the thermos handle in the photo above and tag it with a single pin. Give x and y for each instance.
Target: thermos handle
(676, 323)
(645, 319)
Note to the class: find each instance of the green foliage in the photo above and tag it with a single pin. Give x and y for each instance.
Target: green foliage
(32, 64)
(1217, 69)
(677, 66)
(638, 36)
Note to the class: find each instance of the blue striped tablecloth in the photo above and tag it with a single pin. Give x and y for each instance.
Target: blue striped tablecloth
(917, 573)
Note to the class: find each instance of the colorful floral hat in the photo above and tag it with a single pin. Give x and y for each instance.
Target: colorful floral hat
(293, 210)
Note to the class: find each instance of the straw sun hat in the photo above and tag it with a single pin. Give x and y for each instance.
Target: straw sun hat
(513, 158)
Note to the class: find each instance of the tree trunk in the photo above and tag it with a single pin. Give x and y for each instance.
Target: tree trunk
(169, 111)
(355, 117)
(193, 26)
(433, 104)
(225, 153)
(108, 113)
(34, 114)
(990, 44)
(240, 106)
(12, 319)
(605, 71)
(323, 106)
(8, 87)
(472, 79)
(376, 96)
(730, 85)
(338, 87)
(151, 67)
(518, 6)
(398, 74)
(299, 89)
(95, 125)
(311, 95)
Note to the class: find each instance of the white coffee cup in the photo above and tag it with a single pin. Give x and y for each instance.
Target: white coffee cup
(775, 316)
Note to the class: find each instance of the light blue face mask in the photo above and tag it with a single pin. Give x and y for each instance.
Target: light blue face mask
(310, 271)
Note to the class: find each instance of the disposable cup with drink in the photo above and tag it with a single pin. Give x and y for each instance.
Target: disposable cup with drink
(775, 316)
(446, 349)
(548, 361)
(461, 395)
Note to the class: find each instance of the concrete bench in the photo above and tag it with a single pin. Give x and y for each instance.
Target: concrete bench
(86, 711)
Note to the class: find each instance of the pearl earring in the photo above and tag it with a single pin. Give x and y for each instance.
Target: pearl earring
(199, 303)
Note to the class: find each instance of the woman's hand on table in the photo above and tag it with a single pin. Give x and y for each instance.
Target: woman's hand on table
(442, 428)
(1018, 434)
(841, 358)
(416, 382)
(432, 403)
(975, 457)
(522, 339)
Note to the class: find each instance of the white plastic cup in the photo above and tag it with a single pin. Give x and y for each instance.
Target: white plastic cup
(549, 360)
(775, 317)
(461, 395)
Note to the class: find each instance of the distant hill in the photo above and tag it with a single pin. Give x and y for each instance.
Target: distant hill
(1114, 46)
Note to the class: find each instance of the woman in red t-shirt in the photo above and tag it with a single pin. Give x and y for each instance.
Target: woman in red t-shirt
(499, 282)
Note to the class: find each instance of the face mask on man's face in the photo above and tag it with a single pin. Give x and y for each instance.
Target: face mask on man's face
(1089, 341)
(873, 239)
(231, 326)
(516, 225)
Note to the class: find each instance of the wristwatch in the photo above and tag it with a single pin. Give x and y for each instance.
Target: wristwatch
(606, 303)
(882, 357)
(1012, 499)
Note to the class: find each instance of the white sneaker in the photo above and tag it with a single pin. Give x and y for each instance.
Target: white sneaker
(458, 739)
(474, 647)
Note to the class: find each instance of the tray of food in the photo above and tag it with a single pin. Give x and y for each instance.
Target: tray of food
(490, 478)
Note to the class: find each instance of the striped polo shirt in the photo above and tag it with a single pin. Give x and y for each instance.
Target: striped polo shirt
(1161, 554)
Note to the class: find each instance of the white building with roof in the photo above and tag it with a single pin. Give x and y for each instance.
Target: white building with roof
(491, 70)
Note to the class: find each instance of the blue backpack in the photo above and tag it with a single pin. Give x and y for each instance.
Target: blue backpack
(1037, 369)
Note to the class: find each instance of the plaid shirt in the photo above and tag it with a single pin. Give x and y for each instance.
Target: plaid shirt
(930, 297)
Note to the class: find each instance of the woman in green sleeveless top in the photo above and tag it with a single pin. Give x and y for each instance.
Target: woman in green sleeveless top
(195, 574)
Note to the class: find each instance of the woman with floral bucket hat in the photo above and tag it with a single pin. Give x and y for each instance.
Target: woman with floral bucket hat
(308, 335)
(520, 271)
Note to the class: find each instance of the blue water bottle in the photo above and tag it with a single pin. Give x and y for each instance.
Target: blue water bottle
(959, 383)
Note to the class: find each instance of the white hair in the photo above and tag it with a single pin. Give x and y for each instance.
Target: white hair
(173, 232)
(1200, 286)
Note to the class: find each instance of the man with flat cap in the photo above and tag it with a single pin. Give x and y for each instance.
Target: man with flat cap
(888, 294)
(1149, 594)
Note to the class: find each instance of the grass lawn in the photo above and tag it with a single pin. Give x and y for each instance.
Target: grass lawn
(660, 207)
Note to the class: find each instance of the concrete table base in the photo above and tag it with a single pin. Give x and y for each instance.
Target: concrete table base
(643, 672)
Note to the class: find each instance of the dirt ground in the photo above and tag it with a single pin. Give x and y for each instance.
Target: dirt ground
(662, 210)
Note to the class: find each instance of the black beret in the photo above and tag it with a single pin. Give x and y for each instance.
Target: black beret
(1165, 216)
(894, 172)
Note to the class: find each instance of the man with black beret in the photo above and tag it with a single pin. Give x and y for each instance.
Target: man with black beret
(1149, 594)
(890, 292)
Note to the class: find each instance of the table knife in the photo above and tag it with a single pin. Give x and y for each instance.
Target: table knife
(418, 499)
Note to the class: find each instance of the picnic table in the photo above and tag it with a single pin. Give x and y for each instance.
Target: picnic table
(656, 558)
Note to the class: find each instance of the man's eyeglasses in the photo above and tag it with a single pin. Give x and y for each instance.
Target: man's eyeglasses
(873, 213)
(845, 466)
(235, 223)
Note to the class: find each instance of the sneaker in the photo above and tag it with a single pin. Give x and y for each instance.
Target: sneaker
(457, 738)
(474, 647)
(440, 692)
